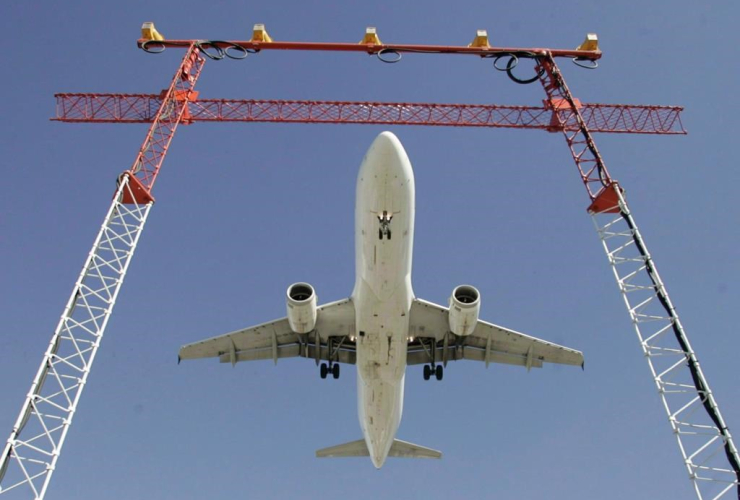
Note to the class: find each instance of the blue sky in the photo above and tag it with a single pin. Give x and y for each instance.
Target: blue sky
(243, 210)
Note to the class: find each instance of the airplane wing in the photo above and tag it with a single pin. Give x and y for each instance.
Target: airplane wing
(429, 327)
(335, 326)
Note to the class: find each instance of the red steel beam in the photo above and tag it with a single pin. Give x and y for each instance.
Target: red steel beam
(141, 108)
(171, 110)
(588, 160)
(251, 46)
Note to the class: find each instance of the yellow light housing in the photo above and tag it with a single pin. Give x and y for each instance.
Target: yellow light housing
(259, 34)
(480, 40)
(371, 37)
(149, 32)
(591, 43)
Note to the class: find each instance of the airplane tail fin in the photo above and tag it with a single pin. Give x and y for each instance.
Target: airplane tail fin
(399, 449)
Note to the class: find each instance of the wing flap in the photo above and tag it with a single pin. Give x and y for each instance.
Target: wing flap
(505, 358)
(417, 356)
(285, 351)
(348, 356)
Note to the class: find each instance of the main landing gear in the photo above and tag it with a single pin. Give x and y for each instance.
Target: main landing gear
(438, 372)
(332, 368)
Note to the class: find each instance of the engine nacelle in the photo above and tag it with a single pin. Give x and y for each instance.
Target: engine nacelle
(464, 309)
(301, 307)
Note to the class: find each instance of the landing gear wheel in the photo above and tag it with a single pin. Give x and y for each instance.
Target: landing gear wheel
(323, 370)
(427, 372)
(439, 372)
(335, 371)
(380, 234)
(389, 234)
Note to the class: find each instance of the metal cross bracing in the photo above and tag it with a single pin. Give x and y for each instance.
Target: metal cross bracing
(705, 443)
(582, 146)
(141, 108)
(31, 452)
(30, 455)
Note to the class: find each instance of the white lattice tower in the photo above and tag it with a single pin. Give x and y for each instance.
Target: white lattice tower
(31, 452)
(706, 445)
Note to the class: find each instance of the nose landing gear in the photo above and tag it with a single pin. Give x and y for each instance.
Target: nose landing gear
(385, 225)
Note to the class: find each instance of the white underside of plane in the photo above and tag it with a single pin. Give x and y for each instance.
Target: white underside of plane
(382, 327)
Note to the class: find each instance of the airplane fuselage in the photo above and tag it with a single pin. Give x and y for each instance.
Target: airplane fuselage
(384, 226)
(382, 318)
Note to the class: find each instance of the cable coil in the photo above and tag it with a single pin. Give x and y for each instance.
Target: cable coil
(153, 47)
(585, 63)
(513, 62)
(395, 56)
(212, 49)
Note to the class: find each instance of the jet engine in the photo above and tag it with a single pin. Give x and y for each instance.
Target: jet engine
(301, 307)
(464, 309)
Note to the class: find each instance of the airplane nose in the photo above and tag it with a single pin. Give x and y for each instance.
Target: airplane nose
(387, 149)
(387, 137)
(387, 140)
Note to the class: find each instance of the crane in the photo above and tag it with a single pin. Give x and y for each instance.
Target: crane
(30, 455)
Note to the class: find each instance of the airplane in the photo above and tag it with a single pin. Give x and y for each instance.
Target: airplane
(382, 327)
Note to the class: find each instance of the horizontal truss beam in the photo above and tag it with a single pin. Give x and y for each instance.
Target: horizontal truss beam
(141, 108)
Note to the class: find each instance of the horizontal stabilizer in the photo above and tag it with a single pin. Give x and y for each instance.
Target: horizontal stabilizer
(352, 449)
(404, 449)
(399, 449)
